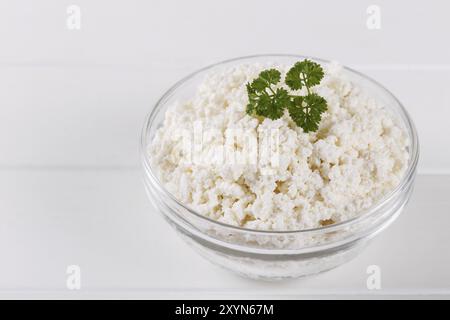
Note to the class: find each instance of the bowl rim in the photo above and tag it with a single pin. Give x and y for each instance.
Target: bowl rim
(407, 176)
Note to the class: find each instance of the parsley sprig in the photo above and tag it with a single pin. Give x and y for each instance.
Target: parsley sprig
(265, 100)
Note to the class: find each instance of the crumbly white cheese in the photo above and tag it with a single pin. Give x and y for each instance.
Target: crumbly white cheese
(299, 180)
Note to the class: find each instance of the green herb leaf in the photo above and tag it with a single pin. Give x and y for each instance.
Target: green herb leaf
(263, 99)
(252, 100)
(304, 73)
(272, 76)
(272, 106)
(265, 79)
(266, 101)
(307, 111)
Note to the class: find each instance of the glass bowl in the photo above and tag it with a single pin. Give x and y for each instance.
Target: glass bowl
(276, 254)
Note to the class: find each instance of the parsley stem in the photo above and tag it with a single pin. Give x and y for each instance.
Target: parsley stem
(304, 82)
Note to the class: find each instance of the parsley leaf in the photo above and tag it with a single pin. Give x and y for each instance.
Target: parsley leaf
(263, 100)
(265, 79)
(266, 101)
(272, 106)
(307, 111)
(271, 76)
(252, 100)
(304, 73)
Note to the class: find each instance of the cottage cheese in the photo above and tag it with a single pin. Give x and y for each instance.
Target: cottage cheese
(283, 178)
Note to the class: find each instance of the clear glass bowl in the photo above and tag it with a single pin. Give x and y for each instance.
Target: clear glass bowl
(282, 254)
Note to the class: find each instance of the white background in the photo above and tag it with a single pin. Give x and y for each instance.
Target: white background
(72, 103)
